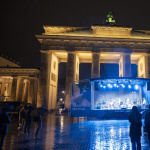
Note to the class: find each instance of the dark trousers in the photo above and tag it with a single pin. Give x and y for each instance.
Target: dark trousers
(27, 125)
(136, 143)
(3, 132)
(2, 140)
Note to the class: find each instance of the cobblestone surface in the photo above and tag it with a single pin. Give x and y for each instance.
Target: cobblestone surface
(63, 133)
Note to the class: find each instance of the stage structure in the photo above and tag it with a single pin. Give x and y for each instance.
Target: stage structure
(107, 43)
(109, 98)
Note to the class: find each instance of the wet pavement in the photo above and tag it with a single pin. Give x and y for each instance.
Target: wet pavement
(63, 133)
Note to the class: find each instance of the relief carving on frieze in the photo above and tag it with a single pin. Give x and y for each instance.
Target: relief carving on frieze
(105, 45)
(83, 44)
(102, 44)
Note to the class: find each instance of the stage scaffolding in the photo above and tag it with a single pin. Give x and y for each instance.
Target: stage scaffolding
(119, 94)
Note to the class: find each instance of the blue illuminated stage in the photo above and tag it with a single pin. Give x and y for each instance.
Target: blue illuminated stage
(109, 98)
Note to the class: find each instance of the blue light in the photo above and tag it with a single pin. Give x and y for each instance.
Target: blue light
(101, 85)
(129, 86)
(109, 85)
(115, 85)
(123, 85)
(136, 87)
(104, 86)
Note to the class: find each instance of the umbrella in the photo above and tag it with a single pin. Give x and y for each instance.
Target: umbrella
(6, 107)
(38, 111)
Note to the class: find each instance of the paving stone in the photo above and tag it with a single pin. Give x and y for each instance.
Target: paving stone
(63, 133)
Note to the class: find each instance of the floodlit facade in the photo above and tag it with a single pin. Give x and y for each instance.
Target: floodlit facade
(98, 44)
(95, 45)
(18, 84)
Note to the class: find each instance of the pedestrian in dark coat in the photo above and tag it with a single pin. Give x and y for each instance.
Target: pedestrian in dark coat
(28, 120)
(147, 123)
(135, 128)
(23, 118)
(38, 121)
(4, 120)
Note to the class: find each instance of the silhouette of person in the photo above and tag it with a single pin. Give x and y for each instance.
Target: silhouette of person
(4, 120)
(28, 119)
(147, 123)
(38, 120)
(135, 128)
(23, 118)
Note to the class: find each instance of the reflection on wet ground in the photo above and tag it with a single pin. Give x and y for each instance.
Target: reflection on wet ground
(64, 133)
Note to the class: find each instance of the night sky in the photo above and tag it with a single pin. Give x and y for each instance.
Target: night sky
(21, 20)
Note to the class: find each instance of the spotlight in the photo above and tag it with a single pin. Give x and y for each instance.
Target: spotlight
(109, 85)
(129, 86)
(123, 85)
(104, 86)
(101, 85)
(115, 85)
(136, 87)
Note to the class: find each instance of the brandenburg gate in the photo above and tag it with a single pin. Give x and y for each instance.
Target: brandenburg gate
(95, 45)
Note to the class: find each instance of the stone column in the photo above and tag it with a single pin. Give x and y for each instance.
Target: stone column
(3, 88)
(125, 65)
(146, 67)
(53, 84)
(70, 76)
(44, 79)
(95, 65)
(32, 91)
(19, 91)
(0, 89)
(13, 89)
(25, 91)
(9, 88)
(47, 87)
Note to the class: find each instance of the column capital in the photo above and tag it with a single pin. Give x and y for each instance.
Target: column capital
(95, 72)
(47, 52)
(25, 80)
(71, 52)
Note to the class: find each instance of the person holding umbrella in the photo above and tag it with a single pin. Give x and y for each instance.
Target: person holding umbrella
(4, 120)
(36, 115)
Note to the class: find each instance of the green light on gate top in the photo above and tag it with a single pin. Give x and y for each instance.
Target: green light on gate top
(110, 18)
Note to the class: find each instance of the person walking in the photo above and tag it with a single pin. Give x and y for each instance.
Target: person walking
(4, 120)
(28, 120)
(38, 120)
(23, 119)
(135, 128)
(147, 124)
